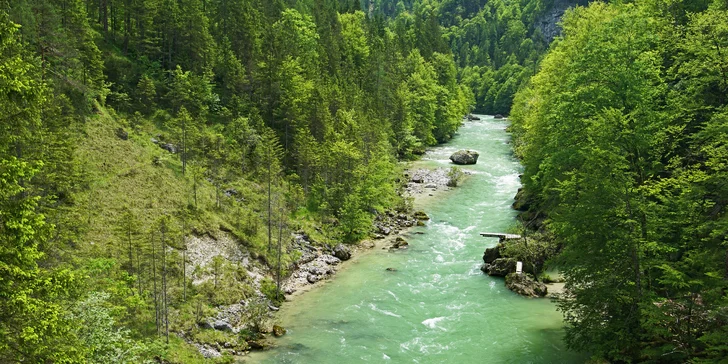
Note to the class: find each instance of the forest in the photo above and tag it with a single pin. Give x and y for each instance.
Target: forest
(129, 126)
(623, 134)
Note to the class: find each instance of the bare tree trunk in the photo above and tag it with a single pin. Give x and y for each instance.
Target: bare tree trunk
(280, 246)
(164, 283)
(154, 275)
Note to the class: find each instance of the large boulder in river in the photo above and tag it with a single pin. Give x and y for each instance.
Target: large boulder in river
(465, 157)
(500, 267)
(525, 285)
(342, 252)
(491, 254)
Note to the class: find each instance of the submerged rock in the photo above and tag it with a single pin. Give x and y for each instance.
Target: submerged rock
(464, 157)
(525, 285)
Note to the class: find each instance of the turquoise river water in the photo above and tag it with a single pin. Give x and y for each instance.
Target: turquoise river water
(438, 307)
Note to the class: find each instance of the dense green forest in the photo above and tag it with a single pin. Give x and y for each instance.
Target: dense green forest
(128, 125)
(623, 134)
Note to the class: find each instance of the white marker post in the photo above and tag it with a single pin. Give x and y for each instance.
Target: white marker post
(519, 267)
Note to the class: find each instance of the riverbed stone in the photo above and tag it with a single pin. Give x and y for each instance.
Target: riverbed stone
(421, 215)
(342, 252)
(525, 285)
(464, 157)
(278, 331)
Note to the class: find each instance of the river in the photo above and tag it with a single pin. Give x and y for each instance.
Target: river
(437, 307)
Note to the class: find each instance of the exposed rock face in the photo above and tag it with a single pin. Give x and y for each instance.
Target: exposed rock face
(500, 267)
(549, 22)
(464, 157)
(342, 252)
(524, 285)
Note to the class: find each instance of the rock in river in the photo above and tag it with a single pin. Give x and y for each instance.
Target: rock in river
(524, 285)
(500, 267)
(465, 157)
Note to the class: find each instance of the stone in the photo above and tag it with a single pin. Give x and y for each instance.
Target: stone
(431, 185)
(154, 140)
(491, 254)
(222, 326)
(418, 178)
(231, 192)
(169, 147)
(312, 278)
(342, 252)
(122, 134)
(472, 117)
(367, 244)
(390, 269)
(400, 243)
(525, 285)
(498, 116)
(421, 215)
(278, 331)
(464, 157)
(501, 267)
(420, 223)
(257, 344)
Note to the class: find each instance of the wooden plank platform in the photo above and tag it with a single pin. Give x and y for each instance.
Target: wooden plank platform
(501, 236)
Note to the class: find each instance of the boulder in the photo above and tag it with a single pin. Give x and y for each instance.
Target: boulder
(525, 285)
(472, 117)
(257, 344)
(390, 269)
(500, 267)
(463, 157)
(169, 147)
(400, 243)
(498, 116)
(122, 134)
(421, 215)
(222, 326)
(312, 278)
(492, 254)
(342, 252)
(278, 331)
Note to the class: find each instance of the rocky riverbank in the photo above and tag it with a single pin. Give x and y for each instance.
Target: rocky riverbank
(318, 262)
